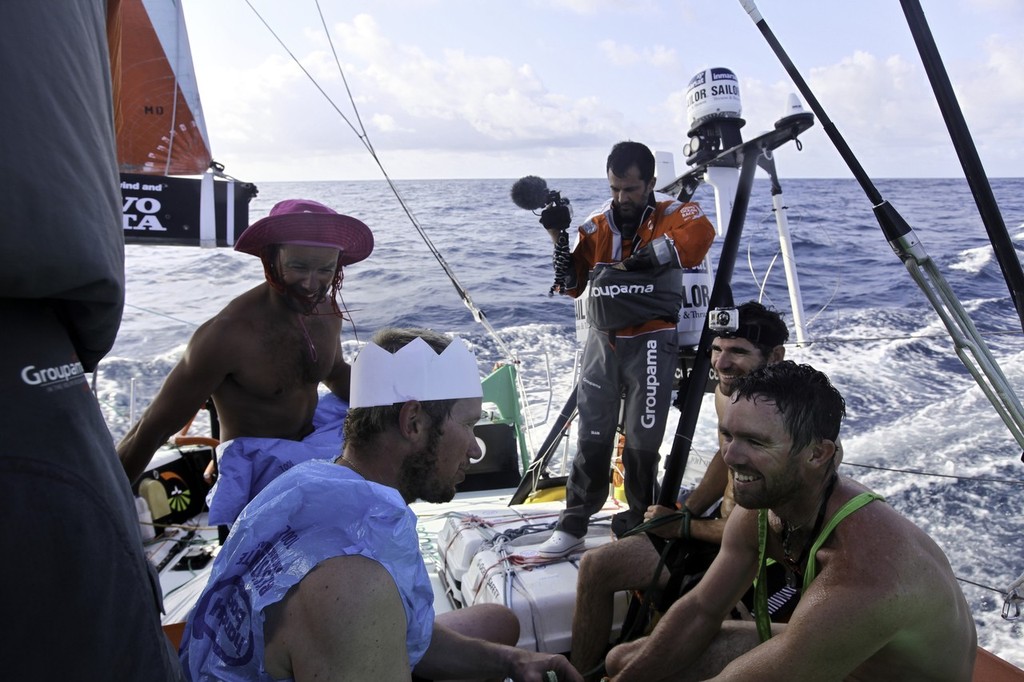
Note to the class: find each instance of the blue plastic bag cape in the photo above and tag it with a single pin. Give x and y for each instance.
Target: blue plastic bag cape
(247, 465)
(313, 512)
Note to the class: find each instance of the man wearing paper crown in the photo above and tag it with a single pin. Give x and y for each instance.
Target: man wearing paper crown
(322, 575)
(263, 356)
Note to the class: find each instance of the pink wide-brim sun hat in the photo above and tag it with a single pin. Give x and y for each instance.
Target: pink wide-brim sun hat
(308, 223)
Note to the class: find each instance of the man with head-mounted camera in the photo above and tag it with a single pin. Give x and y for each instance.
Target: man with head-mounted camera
(746, 338)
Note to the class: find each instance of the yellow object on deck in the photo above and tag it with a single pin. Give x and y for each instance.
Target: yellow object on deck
(155, 495)
(547, 495)
(619, 471)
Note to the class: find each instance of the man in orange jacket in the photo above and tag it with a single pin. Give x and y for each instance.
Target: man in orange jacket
(632, 253)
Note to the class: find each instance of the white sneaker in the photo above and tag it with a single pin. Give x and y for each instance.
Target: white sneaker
(559, 545)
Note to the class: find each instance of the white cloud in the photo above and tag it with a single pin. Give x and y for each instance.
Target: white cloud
(620, 54)
(443, 81)
(384, 123)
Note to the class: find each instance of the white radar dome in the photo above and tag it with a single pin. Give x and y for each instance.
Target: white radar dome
(712, 93)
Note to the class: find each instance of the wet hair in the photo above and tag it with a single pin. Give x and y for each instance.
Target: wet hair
(625, 155)
(362, 424)
(762, 326)
(812, 408)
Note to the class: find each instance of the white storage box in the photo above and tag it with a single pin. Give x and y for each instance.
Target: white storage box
(489, 556)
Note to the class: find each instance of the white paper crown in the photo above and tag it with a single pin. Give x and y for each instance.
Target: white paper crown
(415, 372)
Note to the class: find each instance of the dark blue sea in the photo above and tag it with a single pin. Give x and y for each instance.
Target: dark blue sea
(919, 429)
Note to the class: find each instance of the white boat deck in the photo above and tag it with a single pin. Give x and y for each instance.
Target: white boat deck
(476, 548)
(183, 556)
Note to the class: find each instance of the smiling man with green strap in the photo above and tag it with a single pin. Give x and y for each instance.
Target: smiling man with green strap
(880, 601)
(632, 563)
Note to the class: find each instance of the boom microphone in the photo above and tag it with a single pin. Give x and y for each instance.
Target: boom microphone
(531, 193)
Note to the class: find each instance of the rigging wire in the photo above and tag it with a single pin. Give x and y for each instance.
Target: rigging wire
(979, 479)
(982, 586)
(823, 339)
(160, 314)
(364, 138)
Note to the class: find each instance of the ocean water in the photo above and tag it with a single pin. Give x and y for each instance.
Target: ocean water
(918, 430)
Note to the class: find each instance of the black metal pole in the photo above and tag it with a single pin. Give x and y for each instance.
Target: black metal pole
(826, 123)
(892, 224)
(721, 295)
(966, 150)
(547, 449)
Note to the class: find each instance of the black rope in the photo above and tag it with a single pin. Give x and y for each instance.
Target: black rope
(984, 587)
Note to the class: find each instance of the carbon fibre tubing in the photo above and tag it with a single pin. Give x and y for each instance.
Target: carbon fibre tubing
(826, 123)
(970, 347)
(721, 296)
(892, 223)
(967, 152)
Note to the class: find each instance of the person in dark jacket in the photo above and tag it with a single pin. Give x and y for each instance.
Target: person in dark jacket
(80, 601)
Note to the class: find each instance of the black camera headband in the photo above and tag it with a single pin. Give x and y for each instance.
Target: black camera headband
(757, 334)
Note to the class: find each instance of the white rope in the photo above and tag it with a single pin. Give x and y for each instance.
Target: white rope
(360, 131)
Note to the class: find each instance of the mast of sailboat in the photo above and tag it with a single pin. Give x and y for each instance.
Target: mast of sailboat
(969, 345)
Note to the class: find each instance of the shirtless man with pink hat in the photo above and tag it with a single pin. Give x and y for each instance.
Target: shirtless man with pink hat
(264, 355)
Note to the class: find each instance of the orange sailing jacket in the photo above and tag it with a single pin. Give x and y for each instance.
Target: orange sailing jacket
(684, 227)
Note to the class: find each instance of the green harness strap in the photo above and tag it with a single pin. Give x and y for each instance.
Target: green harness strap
(761, 616)
(811, 570)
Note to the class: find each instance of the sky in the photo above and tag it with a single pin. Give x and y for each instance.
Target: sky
(450, 89)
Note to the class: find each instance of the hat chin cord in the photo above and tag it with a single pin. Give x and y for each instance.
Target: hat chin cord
(309, 341)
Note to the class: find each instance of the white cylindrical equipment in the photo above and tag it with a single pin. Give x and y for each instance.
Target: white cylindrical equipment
(712, 93)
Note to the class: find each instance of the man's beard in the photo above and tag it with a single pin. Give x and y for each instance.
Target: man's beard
(784, 485)
(307, 303)
(418, 478)
(627, 225)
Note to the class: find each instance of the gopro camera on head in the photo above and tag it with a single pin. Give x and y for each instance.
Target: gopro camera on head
(724, 320)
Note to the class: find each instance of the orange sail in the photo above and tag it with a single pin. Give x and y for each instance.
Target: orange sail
(158, 115)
